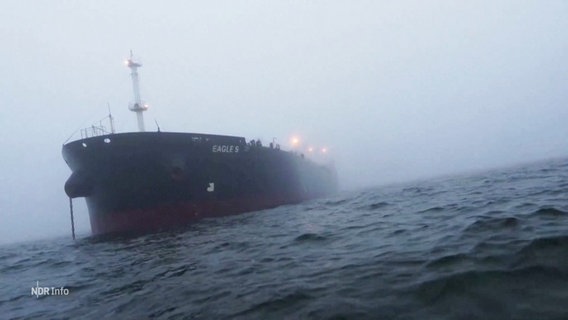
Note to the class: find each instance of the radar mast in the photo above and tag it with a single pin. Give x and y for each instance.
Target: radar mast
(137, 106)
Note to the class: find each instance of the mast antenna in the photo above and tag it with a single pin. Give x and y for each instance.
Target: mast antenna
(157, 125)
(111, 119)
(137, 106)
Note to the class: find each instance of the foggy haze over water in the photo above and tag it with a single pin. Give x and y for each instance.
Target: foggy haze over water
(395, 91)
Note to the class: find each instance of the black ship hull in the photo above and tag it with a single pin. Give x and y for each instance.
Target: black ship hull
(147, 181)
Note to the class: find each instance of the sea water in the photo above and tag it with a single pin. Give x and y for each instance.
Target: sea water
(492, 245)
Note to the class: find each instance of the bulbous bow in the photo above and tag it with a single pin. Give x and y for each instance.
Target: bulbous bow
(79, 184)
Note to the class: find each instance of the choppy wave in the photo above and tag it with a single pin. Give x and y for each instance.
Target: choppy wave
(487, 246)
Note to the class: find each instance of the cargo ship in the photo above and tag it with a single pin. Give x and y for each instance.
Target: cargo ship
(137, 182)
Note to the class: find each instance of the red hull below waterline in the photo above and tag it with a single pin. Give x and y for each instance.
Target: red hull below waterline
(176, 215)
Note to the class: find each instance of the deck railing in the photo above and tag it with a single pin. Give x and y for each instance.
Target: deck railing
(94, 131)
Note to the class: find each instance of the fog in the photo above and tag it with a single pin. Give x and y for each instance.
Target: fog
(396, 90)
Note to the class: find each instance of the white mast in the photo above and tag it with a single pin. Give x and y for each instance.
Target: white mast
(138, 106)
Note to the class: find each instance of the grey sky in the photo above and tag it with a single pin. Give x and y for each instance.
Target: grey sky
(397, 90)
